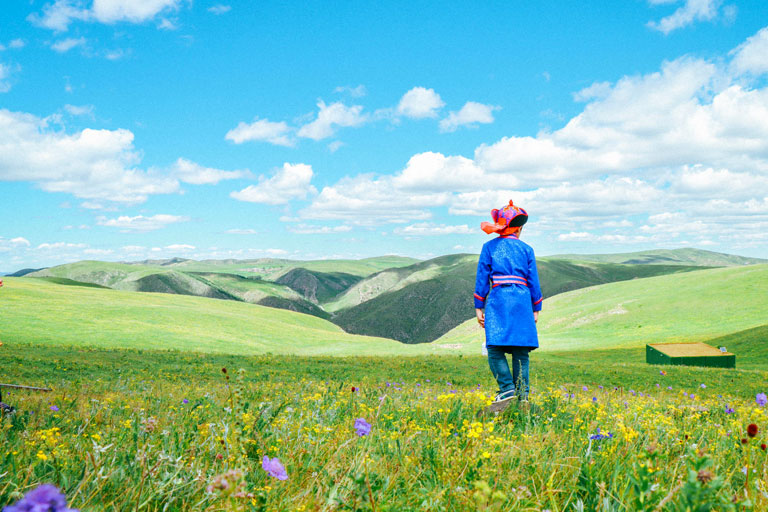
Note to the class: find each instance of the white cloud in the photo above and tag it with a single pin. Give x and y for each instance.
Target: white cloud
(5, 74)
(79, 110)
(692, 10)
(469, 115)
(292, 181)
(96, 165)
(195, 174)
(368, 201)
(98, 252)
(64, 45)
(335, 145)
(751, 57)
(59, 15)
(309, 229)
(140, 222)
(262, 130)
(420, 103)
(20, 241)
(582, 236)
(241, 231)
(331, 116)
(180, 247)
(355, 92)
(166, 24)
(597, 90)
(91, 164)
(60, 245)
(427, 229)
(219, 9)
(684, 114)
(437, 172)
(14, 44)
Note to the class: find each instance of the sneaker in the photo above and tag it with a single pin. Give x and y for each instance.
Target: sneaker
(503, 397)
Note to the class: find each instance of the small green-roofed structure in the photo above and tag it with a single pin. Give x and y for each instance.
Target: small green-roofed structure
(688, 354)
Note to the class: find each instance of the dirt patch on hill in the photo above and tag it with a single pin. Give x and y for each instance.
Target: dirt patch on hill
(618, 310)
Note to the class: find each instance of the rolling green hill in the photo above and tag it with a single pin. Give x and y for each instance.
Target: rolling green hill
(704, 305)
(285, 284)
(421, 302)
(317, 286)
(39, 312)
(426, 302)
(686, 256)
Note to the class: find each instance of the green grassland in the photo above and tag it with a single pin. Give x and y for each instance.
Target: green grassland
(40, 312)
(150, 431)
(691, 306)
(143, 417)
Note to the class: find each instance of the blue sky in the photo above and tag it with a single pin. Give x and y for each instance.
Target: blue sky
(156, 128)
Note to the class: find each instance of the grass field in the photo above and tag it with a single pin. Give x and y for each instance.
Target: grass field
(39, 312)
(151, 431)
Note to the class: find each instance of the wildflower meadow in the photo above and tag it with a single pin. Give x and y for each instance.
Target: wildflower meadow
(138, 430)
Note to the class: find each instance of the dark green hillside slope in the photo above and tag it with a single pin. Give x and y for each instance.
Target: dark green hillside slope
(425, 310)
(419, 312)
(317, 286)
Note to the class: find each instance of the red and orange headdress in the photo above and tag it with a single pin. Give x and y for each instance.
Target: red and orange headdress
(506, 221)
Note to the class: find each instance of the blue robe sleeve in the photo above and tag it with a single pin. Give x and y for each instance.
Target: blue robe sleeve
(533, 283)
(482, 283)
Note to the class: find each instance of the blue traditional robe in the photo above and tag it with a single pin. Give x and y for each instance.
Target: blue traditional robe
(507, 287)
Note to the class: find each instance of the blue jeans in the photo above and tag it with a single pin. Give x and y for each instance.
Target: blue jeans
(497, 360)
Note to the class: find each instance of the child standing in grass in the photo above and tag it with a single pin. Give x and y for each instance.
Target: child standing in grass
(508, 300)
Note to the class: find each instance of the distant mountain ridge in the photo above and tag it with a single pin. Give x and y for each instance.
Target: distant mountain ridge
(684, 256)
(23, 272)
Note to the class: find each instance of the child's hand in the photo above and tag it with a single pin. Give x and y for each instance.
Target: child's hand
(480, 317)
(535, 316)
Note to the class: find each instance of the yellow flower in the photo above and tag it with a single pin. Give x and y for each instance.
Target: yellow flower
(42, 456)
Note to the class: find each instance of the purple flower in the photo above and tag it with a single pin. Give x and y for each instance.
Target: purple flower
(693, 397)
(632, 392)
(274, 468)
(362, 427)
(584, 388)
(761, 399)
(658, 385)
(598, 436)
(669, 388)
(641, 393)
(729, 410)
(54, 408)
(594, 399)
(703, 386)
(46, 498)
(601, 387)
(185, 401)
